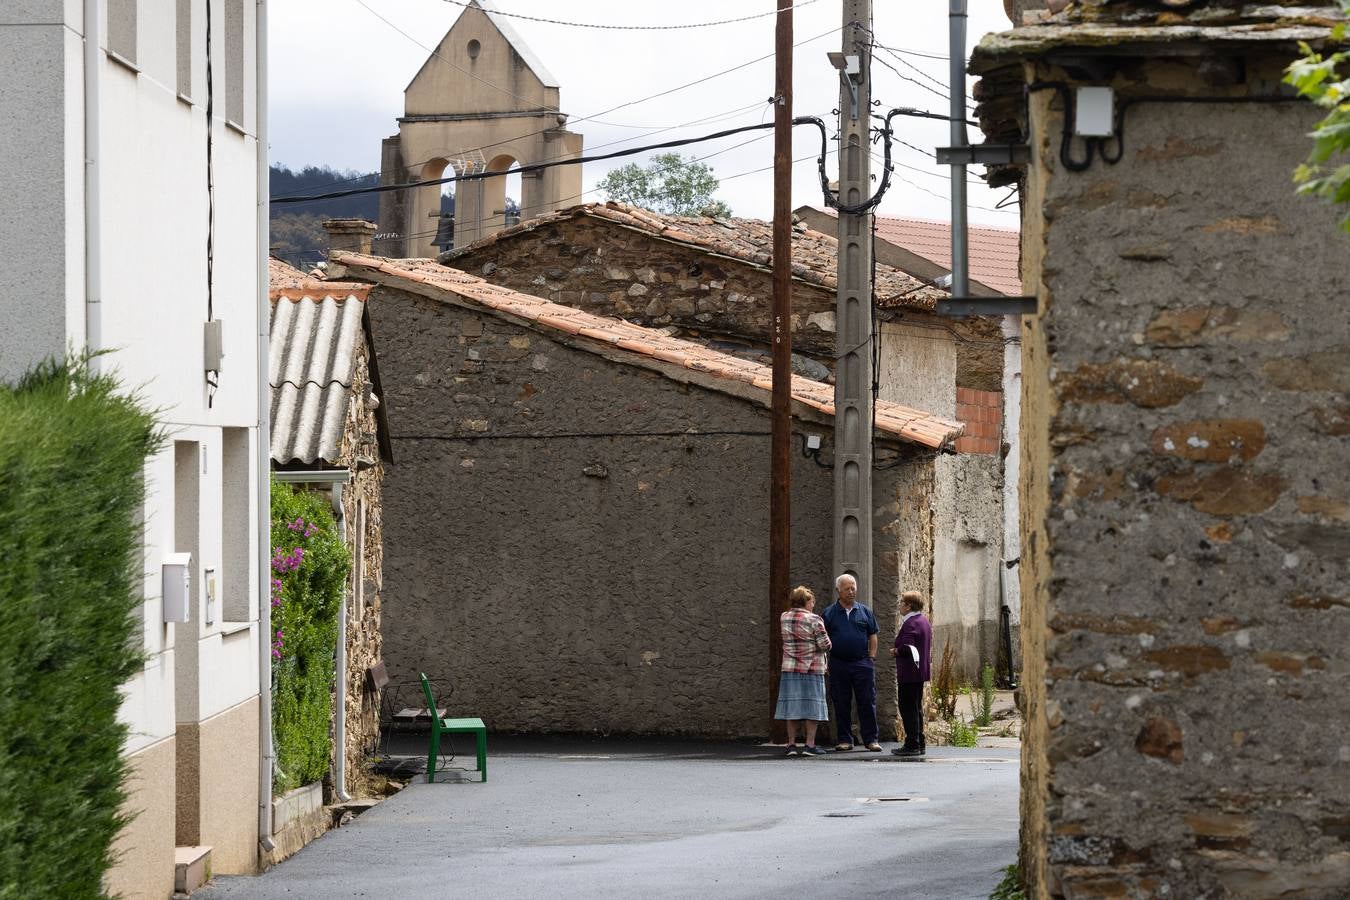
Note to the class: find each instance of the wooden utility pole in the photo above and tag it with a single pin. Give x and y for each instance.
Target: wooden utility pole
(780, 480)
(853, 312)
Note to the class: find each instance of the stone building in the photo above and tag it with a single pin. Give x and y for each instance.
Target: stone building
(1185, 488)
(330, 432)
(710, 280)
(576, 532)
(482, 102)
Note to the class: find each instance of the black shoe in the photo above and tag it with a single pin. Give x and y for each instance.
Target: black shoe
(813, 751)
(907, 751)
(793, 750)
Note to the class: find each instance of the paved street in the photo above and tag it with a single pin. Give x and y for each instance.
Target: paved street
(601, 819)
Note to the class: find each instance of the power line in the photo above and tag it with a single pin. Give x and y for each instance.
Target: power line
(535, 167)
(604, 26)
(602, 112)
(909, 65)
(430, 232)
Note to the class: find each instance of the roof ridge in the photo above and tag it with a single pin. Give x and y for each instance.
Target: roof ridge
(916, 425)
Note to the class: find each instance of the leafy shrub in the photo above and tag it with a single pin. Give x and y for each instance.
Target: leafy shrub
(72, 454)
(309, 573)
(1010, 888)
(963, 735)
(984, 714)
(1322, 79)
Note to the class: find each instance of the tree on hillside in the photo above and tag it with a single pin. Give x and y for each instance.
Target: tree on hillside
(669, 184)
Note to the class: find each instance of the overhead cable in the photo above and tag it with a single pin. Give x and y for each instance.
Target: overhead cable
(607, 26)
(540, 166)
(596, 115)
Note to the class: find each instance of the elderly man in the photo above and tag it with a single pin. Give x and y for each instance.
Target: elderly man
(853, 638)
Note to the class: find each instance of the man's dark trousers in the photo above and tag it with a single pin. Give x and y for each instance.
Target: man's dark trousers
(911, 713)
(849, 679)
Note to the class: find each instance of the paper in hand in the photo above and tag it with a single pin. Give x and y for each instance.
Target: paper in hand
(914, 652)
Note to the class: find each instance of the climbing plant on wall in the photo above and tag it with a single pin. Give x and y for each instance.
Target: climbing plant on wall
(1325, 80)
(309, 573)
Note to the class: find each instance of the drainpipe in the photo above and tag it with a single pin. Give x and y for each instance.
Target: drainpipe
(960, 263)
(263, 465)
(340, 715)
(93, 206)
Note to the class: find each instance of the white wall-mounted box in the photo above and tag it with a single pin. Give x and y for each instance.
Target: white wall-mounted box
(1094, 111)
(177, 588)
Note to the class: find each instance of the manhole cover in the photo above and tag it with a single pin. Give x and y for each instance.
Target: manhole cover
(840, 815)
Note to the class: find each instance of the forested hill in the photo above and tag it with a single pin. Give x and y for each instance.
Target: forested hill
(320, 180)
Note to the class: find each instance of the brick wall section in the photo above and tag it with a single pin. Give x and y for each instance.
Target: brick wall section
(1186, 511)
(573, 544)
(982, 413)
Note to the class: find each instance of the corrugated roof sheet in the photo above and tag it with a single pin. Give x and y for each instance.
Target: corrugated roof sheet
(315, 330)
(645, 346)
(814, 255)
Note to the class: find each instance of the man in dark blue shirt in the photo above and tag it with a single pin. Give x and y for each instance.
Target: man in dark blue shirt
(853, 636)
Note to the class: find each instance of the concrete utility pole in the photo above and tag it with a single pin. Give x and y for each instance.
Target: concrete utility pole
(956, 18)
(780, 536)
(853, 316)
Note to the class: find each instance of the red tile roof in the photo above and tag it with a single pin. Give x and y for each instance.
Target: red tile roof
(814, 254)
(993, 251)
(284, 280)
(645, 346)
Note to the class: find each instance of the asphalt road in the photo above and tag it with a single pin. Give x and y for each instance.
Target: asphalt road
(607, 819)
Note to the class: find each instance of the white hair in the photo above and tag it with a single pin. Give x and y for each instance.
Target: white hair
(845, 577)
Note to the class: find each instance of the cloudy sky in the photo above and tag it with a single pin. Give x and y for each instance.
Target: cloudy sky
(338, 70)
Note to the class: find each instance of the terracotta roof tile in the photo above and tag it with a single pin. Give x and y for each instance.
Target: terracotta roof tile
(644, 344)
(994, 252)
(286, 281)
(750, 241)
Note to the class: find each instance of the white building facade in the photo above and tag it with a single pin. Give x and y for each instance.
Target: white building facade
(133, 227)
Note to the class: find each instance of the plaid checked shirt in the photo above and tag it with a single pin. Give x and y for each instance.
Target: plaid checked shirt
(805, 644)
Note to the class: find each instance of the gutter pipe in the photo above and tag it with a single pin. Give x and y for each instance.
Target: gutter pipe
(263, 465)
(93, 190)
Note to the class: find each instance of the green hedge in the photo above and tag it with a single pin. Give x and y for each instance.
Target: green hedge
(309, 573)
(72, 453)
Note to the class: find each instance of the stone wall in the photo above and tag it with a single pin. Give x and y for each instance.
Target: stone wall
(579, 545)
(1186, 499)
(615, 271)
(362, 514)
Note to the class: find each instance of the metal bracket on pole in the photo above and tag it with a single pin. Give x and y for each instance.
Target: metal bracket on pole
(959, 307)
(983, 155)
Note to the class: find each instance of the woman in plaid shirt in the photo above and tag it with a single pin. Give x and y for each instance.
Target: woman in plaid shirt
(801, 681)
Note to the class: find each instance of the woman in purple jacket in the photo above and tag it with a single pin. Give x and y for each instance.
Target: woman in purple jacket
(911, 652)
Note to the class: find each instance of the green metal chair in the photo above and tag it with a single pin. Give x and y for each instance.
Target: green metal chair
(441, 726)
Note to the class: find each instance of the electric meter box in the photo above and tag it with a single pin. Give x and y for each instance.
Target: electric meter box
(177, 588)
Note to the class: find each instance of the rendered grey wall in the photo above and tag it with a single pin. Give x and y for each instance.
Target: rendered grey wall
(33, 149)
(573, 544)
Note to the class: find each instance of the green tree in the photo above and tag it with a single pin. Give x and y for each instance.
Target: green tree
(670, 184)
(1326, 174)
